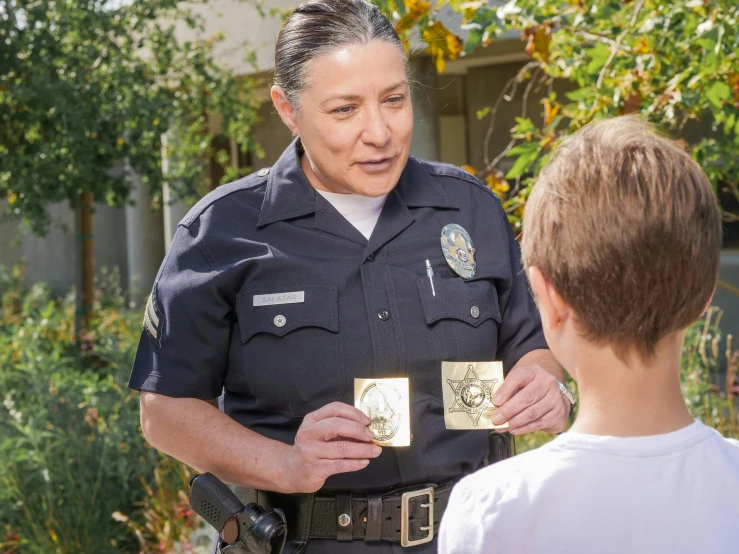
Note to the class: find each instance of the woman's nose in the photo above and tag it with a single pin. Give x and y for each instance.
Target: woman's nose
(376, 131)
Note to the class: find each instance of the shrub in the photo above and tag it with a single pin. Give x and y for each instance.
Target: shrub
(71, 453)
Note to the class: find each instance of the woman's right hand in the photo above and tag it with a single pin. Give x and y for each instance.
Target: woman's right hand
(333, 439)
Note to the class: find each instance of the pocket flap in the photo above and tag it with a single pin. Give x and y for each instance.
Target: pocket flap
(470, 301)
(320, 308)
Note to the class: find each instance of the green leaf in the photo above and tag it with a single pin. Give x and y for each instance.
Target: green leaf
(524, 125)
(474, 39)
(483, 112)
(598, 56)
(717, 93)
(528, 151)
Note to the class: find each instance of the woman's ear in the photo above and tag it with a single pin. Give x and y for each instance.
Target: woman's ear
(551, 305)
(287, 112)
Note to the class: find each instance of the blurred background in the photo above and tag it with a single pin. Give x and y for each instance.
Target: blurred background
(117, 115)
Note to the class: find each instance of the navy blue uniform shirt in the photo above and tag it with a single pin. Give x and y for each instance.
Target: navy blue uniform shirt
(368, 309)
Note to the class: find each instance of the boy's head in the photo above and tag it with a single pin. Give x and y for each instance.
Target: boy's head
(621, 240)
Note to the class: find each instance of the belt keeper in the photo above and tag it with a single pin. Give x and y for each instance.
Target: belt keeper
(374, 519)
(345, 517)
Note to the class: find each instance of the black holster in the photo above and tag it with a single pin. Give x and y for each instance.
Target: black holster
(501, 447)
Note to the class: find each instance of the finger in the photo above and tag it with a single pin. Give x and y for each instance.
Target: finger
(534, 411)
(530, 427)
(337, 409)
(516, 379)
(349, 450)
(539, 412)
(335, 427)
(523, 400)
(558, 420)
(344, 466)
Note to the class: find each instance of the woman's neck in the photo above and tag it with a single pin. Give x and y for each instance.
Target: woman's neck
(639, 399)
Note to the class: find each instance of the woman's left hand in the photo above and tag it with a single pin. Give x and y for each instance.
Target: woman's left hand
(529, 400)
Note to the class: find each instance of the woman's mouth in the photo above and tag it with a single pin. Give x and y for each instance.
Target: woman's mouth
(376, 166)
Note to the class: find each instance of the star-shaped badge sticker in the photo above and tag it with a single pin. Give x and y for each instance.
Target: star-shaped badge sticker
(472, 395)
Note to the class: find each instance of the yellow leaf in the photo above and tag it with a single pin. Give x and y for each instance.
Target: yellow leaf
(121, 141)
(469, 169)
(12, 197)
(497, 183)
(415, 10)
(442, 44)
(537, 42)
(550, 112)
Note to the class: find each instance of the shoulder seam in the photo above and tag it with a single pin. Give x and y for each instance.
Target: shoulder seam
(462, 175)
(193, 215)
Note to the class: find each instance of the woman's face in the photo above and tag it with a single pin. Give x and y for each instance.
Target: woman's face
(355, 119)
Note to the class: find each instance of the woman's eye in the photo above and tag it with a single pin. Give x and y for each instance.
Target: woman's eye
(343, 110)
(395, 99)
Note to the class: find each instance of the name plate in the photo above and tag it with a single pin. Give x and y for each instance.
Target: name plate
(279, 298)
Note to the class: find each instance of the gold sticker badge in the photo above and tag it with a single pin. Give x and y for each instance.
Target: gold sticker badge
(385, 402)
(468, 394)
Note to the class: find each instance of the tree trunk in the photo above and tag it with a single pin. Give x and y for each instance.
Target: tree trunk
(87, 260)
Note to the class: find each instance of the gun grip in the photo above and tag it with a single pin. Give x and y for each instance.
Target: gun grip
(213, 500)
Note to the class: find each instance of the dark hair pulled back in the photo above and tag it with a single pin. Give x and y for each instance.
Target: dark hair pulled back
(320, 26)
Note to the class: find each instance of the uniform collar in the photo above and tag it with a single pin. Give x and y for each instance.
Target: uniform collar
(289, 194)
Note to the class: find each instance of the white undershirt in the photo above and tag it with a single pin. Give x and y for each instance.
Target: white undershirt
(361, 211)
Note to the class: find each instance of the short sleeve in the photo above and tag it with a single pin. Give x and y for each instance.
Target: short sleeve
(461, 530)
(520, 330)
(183, 349)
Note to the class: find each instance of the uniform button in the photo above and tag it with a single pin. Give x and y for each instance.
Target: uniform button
(263, 172)
(345, 520)
(475, 312)
(371, 257)
(384, 315)
(280, 320)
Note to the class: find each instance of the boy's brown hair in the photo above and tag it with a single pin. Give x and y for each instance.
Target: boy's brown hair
(627, 228)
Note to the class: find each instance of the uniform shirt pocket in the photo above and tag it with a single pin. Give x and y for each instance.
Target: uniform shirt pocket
(462, 319)
(291, 352)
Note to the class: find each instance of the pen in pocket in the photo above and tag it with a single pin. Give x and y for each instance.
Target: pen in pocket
(430, 273)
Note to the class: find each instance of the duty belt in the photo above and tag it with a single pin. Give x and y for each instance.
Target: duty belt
(408, 516)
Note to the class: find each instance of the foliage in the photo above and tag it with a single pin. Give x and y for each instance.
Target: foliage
(709, 393)
(71, 451)
(165, 498)
(87, 87)
(674, 62)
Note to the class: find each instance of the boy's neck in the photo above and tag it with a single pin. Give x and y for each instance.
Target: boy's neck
(639, 399)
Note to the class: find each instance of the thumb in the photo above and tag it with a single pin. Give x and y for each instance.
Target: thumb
(516, 379)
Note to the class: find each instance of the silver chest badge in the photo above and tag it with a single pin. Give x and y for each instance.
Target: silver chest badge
(458, 250)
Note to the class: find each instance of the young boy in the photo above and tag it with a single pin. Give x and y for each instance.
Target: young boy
(621, 245)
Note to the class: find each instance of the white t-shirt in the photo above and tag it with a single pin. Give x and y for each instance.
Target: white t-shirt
(361, 211)
(584, 494)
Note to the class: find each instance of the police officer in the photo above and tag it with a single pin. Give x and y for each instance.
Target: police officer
(281, 288)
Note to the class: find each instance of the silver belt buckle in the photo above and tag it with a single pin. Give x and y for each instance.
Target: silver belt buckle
(405, 524)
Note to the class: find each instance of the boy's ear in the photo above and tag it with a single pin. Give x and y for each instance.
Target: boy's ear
(287, 113)
(552, 307)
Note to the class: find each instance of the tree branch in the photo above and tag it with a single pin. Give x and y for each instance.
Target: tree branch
(512, 83)
(621, 37)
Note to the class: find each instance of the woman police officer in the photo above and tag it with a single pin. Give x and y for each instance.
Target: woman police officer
(281, 288)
